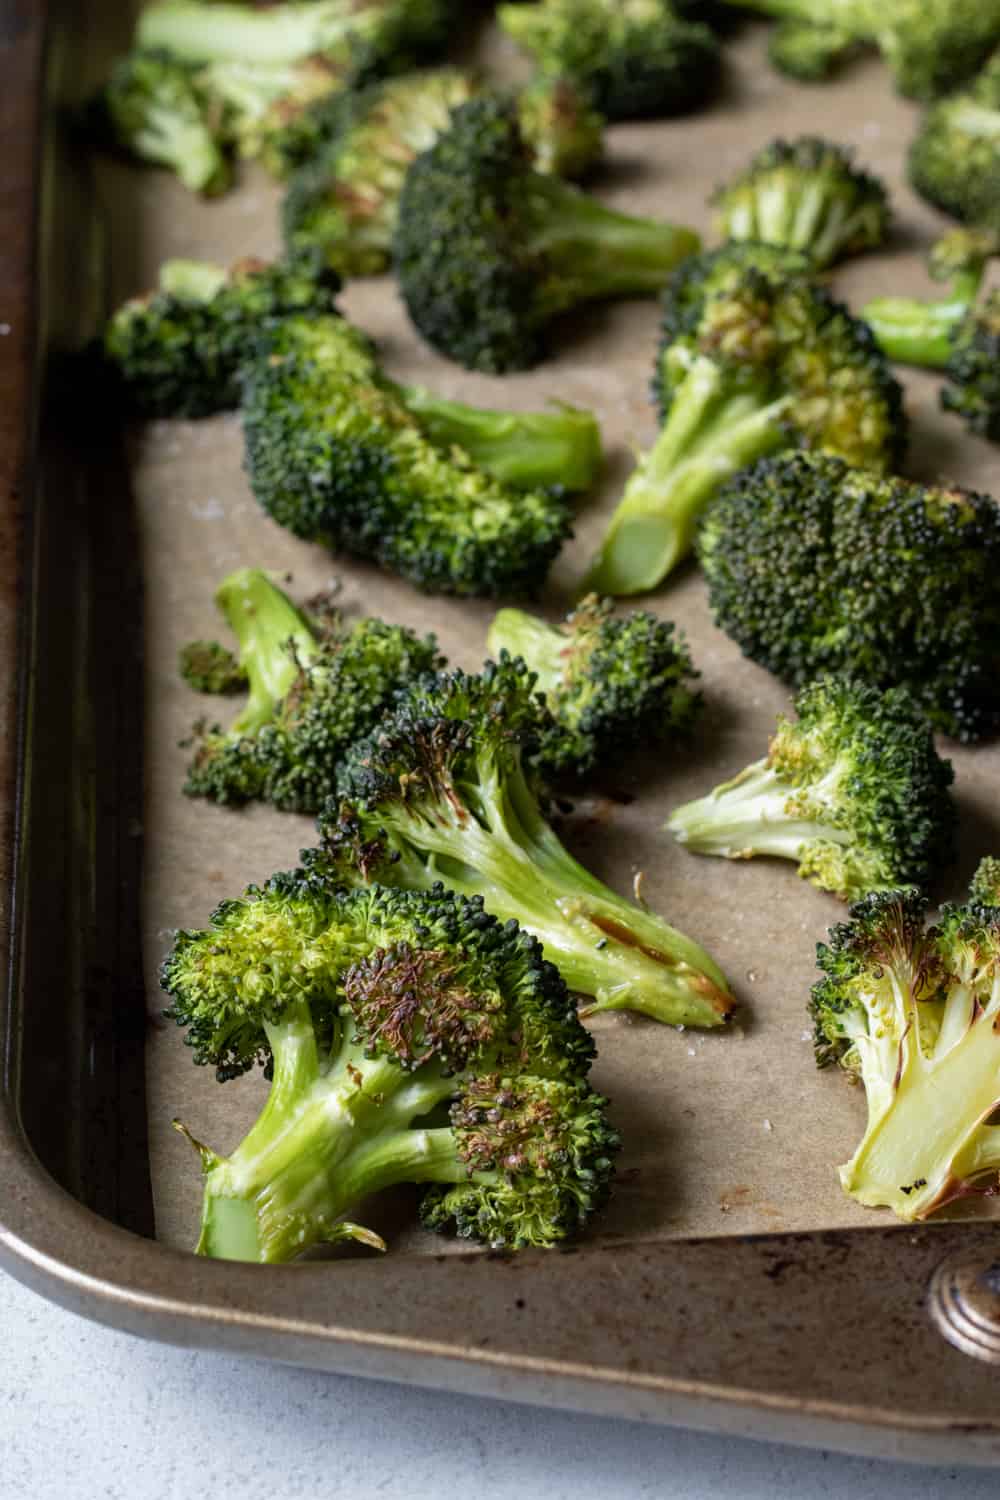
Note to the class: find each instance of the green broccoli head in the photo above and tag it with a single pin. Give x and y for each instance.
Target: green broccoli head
(853, 790)
(178, 351)
(638, 58)
(153, 107)
(522, 247)
(334, 454)
(754, 358)
(379, 1013)
(954, 160)
(807, 51)
(445, 789)
(208, 667)
(315, 686)
(914, 1014)
(805, 195)
(815, 567)
(612, 685)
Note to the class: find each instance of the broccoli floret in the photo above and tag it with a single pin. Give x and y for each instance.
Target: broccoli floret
(410, 1038)
(266, 108)
(208, 667)
(928, 45)
(442, 790)
(154, 108)
(561, 126)
(805, 195)
(754, 357)
(612, 685)
(853, 791)
(315, 686)
(985, 887)
(914, 1014)
(638, 58)
(957, 334)
(178, 351)
(335, 455)
(954, 161)
(521, 247)
(815, 567)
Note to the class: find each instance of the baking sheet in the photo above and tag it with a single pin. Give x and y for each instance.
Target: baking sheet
(724, 1133)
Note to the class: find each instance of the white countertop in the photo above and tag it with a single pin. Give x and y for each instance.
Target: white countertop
(95, 1414)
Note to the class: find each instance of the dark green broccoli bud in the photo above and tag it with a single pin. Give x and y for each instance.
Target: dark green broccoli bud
(985, 887)
(560, 125)
(805, 195)
(334, 454)
(443, 790)
(210, 668)
(638, 58)
(611, 684)
(153, 107)
(754, 358)
(914, 1014)
(265, 107)
(378, 1014)
(853, 791)
(815, 567)
(956, 334)
(178, 351)
(954, 161)
(929, 46)
(522, 247)
(314, 688)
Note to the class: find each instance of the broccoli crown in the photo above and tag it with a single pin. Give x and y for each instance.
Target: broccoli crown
(807, 51)
(913, 1013)
(638, 58)
(854, 791)
(315, 687)
(178, 351)
(954, 160)
(266, 108)
(208, 667)
(611, 684)
(345, 201)
(973, 369)
(335, 455)
(985, 887)
(153, 107)
(815, 567)
(444, 789)
(522, 247)
(380, 1013)
(805, 195)
(561, 126)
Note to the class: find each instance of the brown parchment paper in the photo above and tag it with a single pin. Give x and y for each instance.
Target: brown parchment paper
(724, 1133)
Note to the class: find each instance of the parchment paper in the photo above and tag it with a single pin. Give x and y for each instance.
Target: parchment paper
(724, 1133)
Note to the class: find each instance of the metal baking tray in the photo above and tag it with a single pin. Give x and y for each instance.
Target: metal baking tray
(731, 1286)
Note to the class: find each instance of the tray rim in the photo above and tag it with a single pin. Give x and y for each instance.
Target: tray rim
(755, 1309)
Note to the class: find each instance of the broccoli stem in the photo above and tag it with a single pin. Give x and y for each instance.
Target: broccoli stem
(195, 32)
(810, 219)
(528, 450)
(593, 252)
(749, 815)
(186, 146)
(539, 645)
(712, 430)
(913, 332)
(275, 641)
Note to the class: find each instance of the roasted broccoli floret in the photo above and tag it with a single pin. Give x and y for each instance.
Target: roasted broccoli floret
(443, 790)
(315, 686)
(521, 247)
(410, 1038)
(815, 567)
(928, 45)
(154, 108)
(335, 454)
(561, 126)
(638, 58)
(954, 161)
(957, 334)
(208, 667)
(914, 1014)
(612, 685)
(178, 351)
(853, 790)
(266, 109)
(805, 195)
(754, 357)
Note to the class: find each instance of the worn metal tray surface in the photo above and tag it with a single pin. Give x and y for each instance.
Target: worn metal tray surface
(731, 1284)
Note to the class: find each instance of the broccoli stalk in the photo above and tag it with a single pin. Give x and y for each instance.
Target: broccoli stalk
(442, 792)
(854, 792)
(915, 1015)
(205, 31)
(379, 1015)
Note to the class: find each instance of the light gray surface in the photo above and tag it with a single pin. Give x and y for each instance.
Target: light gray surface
(96, 1414)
